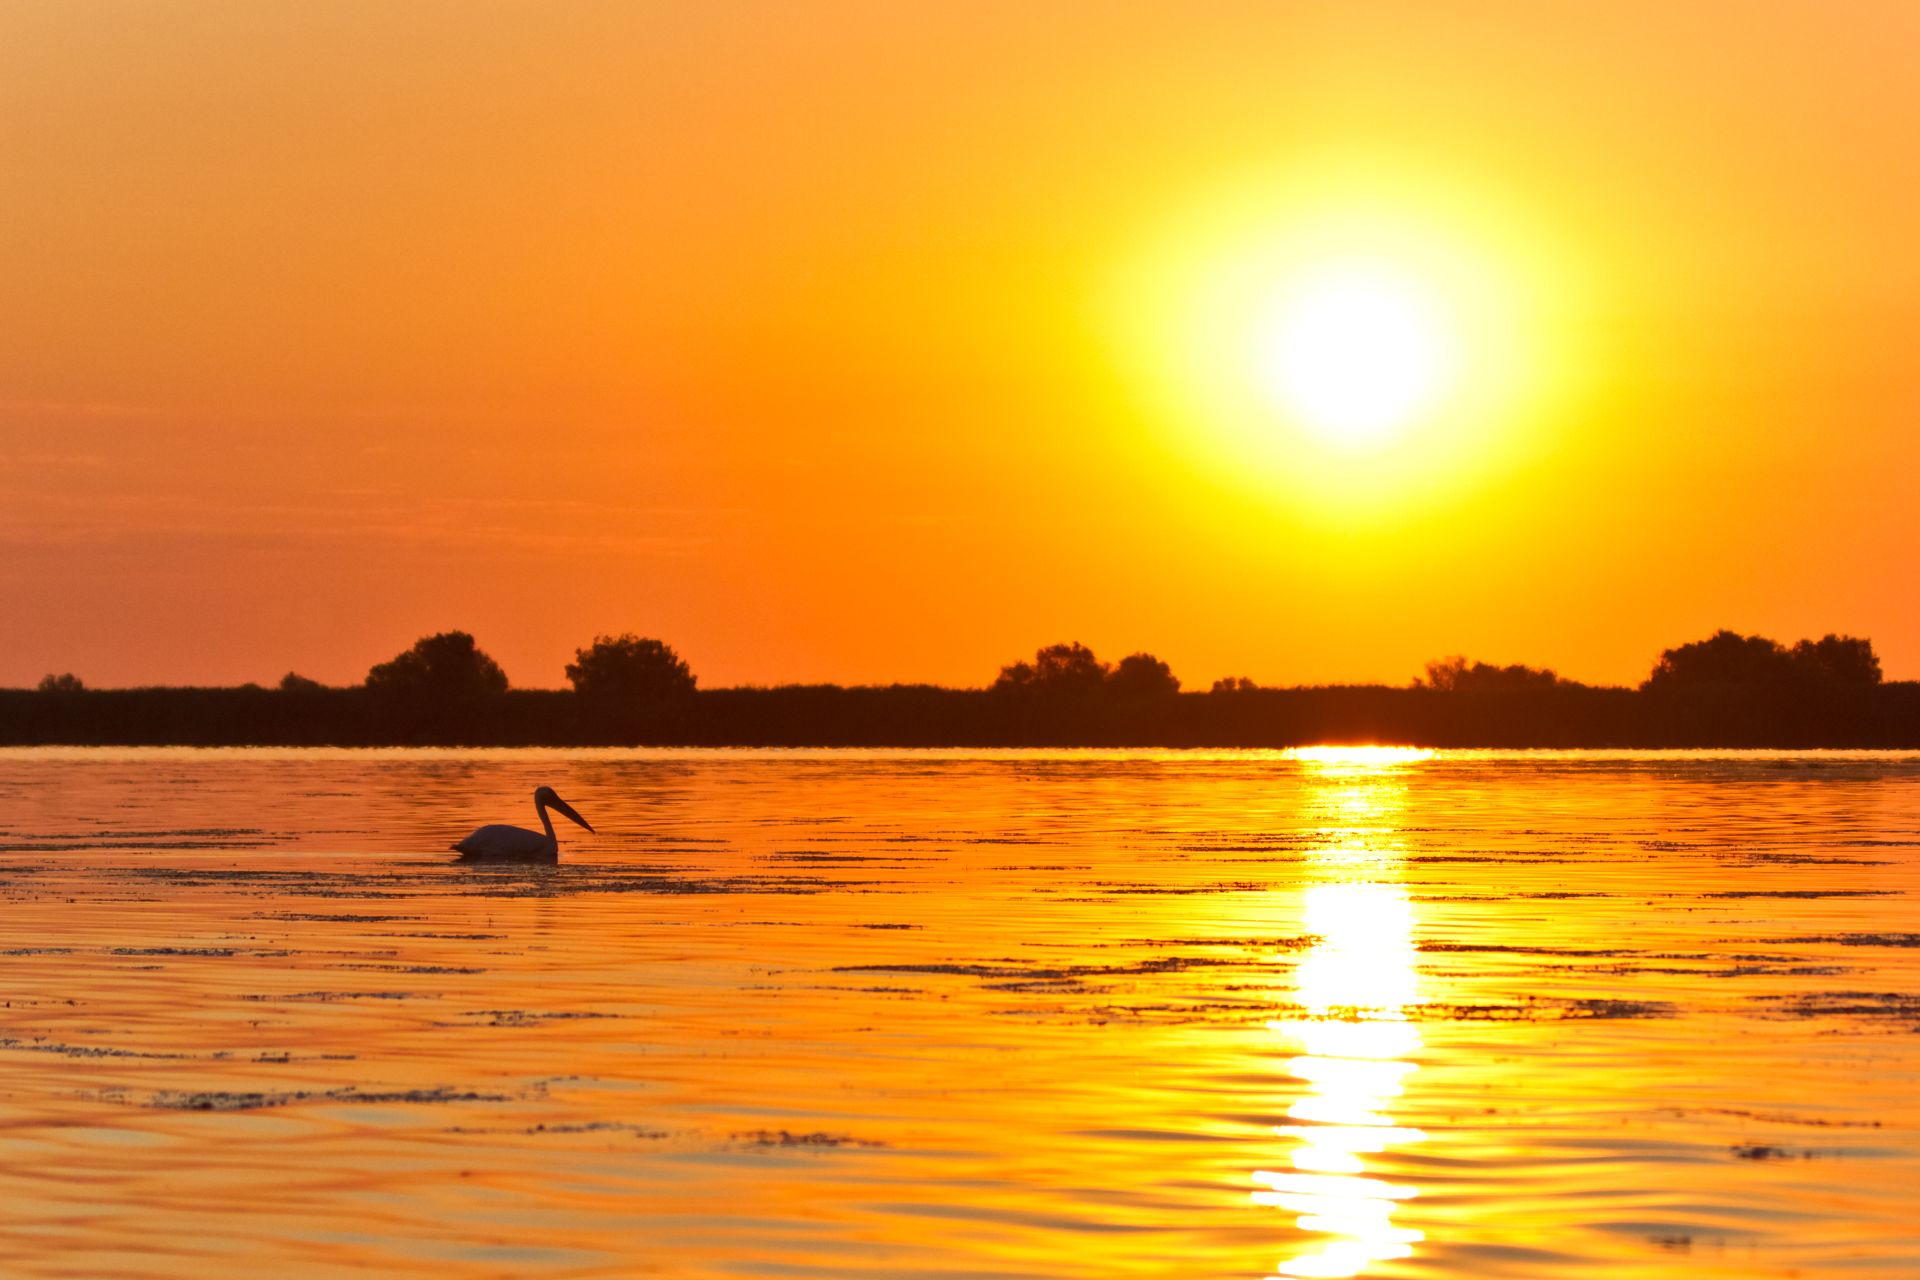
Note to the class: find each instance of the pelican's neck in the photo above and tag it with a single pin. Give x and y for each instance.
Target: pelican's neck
(547, 822)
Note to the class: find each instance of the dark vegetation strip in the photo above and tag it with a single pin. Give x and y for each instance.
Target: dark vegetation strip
(1885, 716)
(1726, 691)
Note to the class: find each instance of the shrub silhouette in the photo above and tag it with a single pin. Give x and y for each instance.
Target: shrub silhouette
(1723, 658)
(1457, 675)
(65, 683)
(1141, 675)
(294, 682)
(1058, 668)
(1013, 678)
(447, 668)
(629, 670)
(1233, 684)
(1727, 658)
(1847, 660)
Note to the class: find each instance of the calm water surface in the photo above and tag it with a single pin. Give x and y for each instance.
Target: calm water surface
(1345, 1013)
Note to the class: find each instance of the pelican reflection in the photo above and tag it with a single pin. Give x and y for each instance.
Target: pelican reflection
(1355, 1040)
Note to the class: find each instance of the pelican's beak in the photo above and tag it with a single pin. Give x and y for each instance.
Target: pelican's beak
(567, 811)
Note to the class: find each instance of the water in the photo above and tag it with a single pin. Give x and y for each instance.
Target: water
(962, 1015)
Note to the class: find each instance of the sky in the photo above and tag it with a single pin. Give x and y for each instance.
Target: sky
(869, 342)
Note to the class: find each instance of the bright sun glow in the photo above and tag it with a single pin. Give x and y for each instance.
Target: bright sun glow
(1354, 353)
(1356, 345)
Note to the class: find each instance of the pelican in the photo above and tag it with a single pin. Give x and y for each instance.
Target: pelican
(499, 843)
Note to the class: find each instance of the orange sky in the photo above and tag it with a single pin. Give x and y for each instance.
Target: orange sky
(811, 338)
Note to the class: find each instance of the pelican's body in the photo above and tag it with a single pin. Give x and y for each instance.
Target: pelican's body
(501, 843)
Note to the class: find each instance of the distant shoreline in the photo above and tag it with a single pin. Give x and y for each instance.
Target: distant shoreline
(1882, 716)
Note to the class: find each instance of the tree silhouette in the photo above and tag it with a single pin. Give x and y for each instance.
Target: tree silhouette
(1723, 658)
(448, 667)
(628, 670)
(65, 683)
(1068, 666)
(1141, 675)
(294, 682)
(1056, 669)
(1233, 684)
(1457, 675)
(1728, 659)
(1841, 659)
(1013, 677)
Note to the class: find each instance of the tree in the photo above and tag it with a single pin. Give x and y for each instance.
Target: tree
(446, 668)
(1233, 684)
(294, 682)
(1013, 676)
(1723, 658)
(1727, 658)
(1457, 675)
(1841, 659)
(1068, 666)
(628, 670)
(1141, 675)
(1058, 668)
(66, 683)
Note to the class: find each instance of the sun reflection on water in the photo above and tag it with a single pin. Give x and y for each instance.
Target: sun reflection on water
(1357, 1043)
(1337, 761)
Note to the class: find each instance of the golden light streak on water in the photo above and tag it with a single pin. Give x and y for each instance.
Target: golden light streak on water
(1354, 987)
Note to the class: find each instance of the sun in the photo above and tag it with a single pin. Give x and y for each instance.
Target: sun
(1354, 353)
(1356, 344)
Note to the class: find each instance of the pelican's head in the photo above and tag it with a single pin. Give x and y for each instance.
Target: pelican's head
(548, 798)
